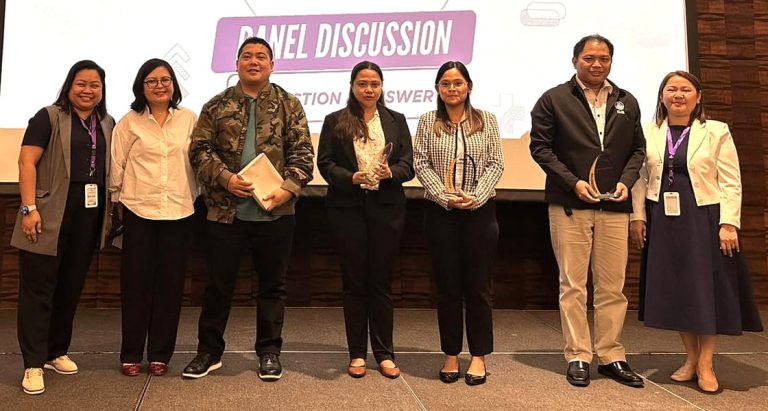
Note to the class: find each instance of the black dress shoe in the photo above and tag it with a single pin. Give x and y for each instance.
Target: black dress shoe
(269, 367)
(578, 373)
(449, 377)
(201, 365)
(620, 372)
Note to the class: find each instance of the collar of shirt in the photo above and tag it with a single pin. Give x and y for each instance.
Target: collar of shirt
(149, 115)
(606, 86)
(240, 94)
(374, 118)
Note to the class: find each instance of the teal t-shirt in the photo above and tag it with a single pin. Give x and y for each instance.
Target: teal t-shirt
(248, 209)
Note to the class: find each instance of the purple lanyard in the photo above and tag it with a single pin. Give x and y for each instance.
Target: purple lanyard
(92, 132)
(672, 148)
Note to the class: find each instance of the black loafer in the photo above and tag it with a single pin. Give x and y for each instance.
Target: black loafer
(620, 372)
(578, 373)
(449, 377)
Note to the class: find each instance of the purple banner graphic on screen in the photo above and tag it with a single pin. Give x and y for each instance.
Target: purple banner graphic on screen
(339, 41)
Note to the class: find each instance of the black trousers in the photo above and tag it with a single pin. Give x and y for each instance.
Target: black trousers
(270, 246)
(369, 242)
(50, 286)
(463, 247)
(154, 262)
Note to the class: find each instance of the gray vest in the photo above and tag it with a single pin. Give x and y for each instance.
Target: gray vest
(52, 184)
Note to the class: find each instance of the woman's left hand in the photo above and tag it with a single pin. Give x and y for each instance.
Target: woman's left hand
(382, 171)
(729, 240)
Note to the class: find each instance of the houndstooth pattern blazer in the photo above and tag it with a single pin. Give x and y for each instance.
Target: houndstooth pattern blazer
(433, 153)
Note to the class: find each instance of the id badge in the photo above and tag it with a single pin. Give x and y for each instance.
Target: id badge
(91, 196)
(672, 204)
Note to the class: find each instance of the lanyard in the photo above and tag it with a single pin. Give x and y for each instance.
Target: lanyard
(672, 148)
(92, 132)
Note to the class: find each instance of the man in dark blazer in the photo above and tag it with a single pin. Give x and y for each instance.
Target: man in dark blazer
(572, 124)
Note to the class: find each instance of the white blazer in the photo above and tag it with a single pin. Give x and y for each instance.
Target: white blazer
(713, 167)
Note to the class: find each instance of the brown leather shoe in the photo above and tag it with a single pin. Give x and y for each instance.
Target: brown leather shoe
(131, 369)
(389, 372)
(158, 369)
(356, 371)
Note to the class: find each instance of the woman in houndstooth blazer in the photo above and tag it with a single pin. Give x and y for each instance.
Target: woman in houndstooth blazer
(458, 159)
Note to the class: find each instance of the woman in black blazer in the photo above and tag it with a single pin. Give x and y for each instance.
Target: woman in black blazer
(366, 210)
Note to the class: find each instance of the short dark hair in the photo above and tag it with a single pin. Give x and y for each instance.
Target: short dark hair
(62, 101)
(579, 47)
(698, 113)
(350, 124)
(140, 100)
(255, 40)
(442, 122)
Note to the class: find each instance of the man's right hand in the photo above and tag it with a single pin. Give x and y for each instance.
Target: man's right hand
(239, 187)
(585, 192)
(637, 234)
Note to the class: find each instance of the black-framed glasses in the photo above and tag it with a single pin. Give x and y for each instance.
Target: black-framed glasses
(153, 82)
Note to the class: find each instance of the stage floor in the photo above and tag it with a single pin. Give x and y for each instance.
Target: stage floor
(525, 372)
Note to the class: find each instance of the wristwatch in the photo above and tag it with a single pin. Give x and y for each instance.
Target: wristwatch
(26, 209)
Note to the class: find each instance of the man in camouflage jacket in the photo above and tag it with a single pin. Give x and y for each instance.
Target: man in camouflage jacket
(235, 126)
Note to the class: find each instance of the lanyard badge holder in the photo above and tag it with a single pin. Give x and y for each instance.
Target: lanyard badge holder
(91, 189)
(672, 198)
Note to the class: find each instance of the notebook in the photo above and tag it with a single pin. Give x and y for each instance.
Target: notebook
(264, 177)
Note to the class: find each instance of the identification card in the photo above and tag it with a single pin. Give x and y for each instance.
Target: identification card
(91, 196)
(672, 204)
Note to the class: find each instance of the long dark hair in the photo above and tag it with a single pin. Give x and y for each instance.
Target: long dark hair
(139, 104)
(62, 101)
(698, 112)
(351, 124)
(442, 121)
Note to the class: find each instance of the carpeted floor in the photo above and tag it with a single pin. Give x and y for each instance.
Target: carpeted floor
(525, 372)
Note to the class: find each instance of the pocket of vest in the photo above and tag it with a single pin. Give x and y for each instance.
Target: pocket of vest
(42, 193)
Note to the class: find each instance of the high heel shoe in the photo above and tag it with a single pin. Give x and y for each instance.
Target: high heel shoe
(707, 384)
(684, 374)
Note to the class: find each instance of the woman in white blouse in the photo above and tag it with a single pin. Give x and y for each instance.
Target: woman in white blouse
(153, 182)
(366, 209)
(458, 159)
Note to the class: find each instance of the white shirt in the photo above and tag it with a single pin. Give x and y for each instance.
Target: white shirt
(368, 152)
(150, 171)
(597, 104)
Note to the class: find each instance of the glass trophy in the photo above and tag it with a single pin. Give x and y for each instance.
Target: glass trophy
(383, 157)
(460, 172)
(602, 177)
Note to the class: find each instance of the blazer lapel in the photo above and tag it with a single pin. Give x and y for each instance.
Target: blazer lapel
(696, 137)
(388, 126)
(660, 139)
(349, 150)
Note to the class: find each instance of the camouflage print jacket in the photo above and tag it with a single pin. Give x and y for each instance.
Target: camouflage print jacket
(217, 144)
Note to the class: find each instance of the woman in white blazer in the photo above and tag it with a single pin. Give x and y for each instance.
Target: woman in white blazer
(686, 213)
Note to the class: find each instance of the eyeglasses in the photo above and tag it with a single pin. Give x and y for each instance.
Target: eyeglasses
(153, 82)
(448, 85)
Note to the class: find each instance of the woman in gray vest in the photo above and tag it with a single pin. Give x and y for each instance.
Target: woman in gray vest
(63, 168)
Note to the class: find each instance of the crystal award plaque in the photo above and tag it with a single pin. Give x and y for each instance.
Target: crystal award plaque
(602, 177)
